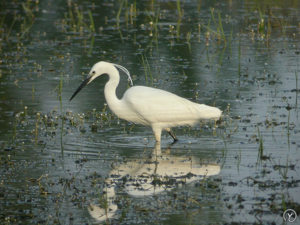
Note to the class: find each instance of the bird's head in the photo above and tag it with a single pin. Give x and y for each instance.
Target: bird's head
(97, 70)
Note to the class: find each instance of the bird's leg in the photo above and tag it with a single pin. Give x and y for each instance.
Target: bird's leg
(157, 151)
(172, 134)
(157, 133)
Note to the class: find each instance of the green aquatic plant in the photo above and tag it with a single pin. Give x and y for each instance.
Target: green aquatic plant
(296, 89)
(147, 70)
(179, 9)
(239, 65)
(171, 32)
(153, 18)
(91, 46)
(180, 15)
(126, 13)
(260, 156)
(261, 22)
(61, 111)
(217, 31)
(188, 40)
(92, 24)
(220, 29)
(75, 20)
(8, 32)
(29, 8)
(14, 131)
(21, 22)
(119, 13)
(264, 25)
(178, 25)
(132, 12)
(283, 171)
(199, 32)
(36, 130)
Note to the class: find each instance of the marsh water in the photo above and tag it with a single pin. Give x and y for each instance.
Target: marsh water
(57, 156)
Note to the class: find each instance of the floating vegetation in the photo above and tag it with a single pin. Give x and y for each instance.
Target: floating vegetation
(51, 124)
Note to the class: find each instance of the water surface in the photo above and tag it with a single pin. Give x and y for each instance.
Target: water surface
(56, 155)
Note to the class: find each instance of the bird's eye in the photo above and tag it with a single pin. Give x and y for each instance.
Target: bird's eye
(93, 72)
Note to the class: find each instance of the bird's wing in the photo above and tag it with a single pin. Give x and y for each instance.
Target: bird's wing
(159, 106)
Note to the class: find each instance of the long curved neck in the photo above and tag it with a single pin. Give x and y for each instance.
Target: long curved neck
(110, 90)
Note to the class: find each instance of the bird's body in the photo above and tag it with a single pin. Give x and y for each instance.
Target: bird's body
(148, 106)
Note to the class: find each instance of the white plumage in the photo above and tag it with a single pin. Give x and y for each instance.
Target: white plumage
(148, 106)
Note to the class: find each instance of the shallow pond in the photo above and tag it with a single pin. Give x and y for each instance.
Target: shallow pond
(65, 162)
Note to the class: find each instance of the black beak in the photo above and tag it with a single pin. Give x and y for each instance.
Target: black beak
(82, 85)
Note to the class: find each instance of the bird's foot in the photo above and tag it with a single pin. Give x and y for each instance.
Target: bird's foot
(173, 136)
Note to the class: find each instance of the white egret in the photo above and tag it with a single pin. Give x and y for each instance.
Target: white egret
(159, 109)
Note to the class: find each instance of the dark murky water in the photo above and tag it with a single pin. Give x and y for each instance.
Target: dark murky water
(57, 157)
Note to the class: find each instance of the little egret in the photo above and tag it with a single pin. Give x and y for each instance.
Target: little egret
(148, 106)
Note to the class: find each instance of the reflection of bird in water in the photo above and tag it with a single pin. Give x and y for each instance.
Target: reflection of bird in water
(161, 172)
(159, 109)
